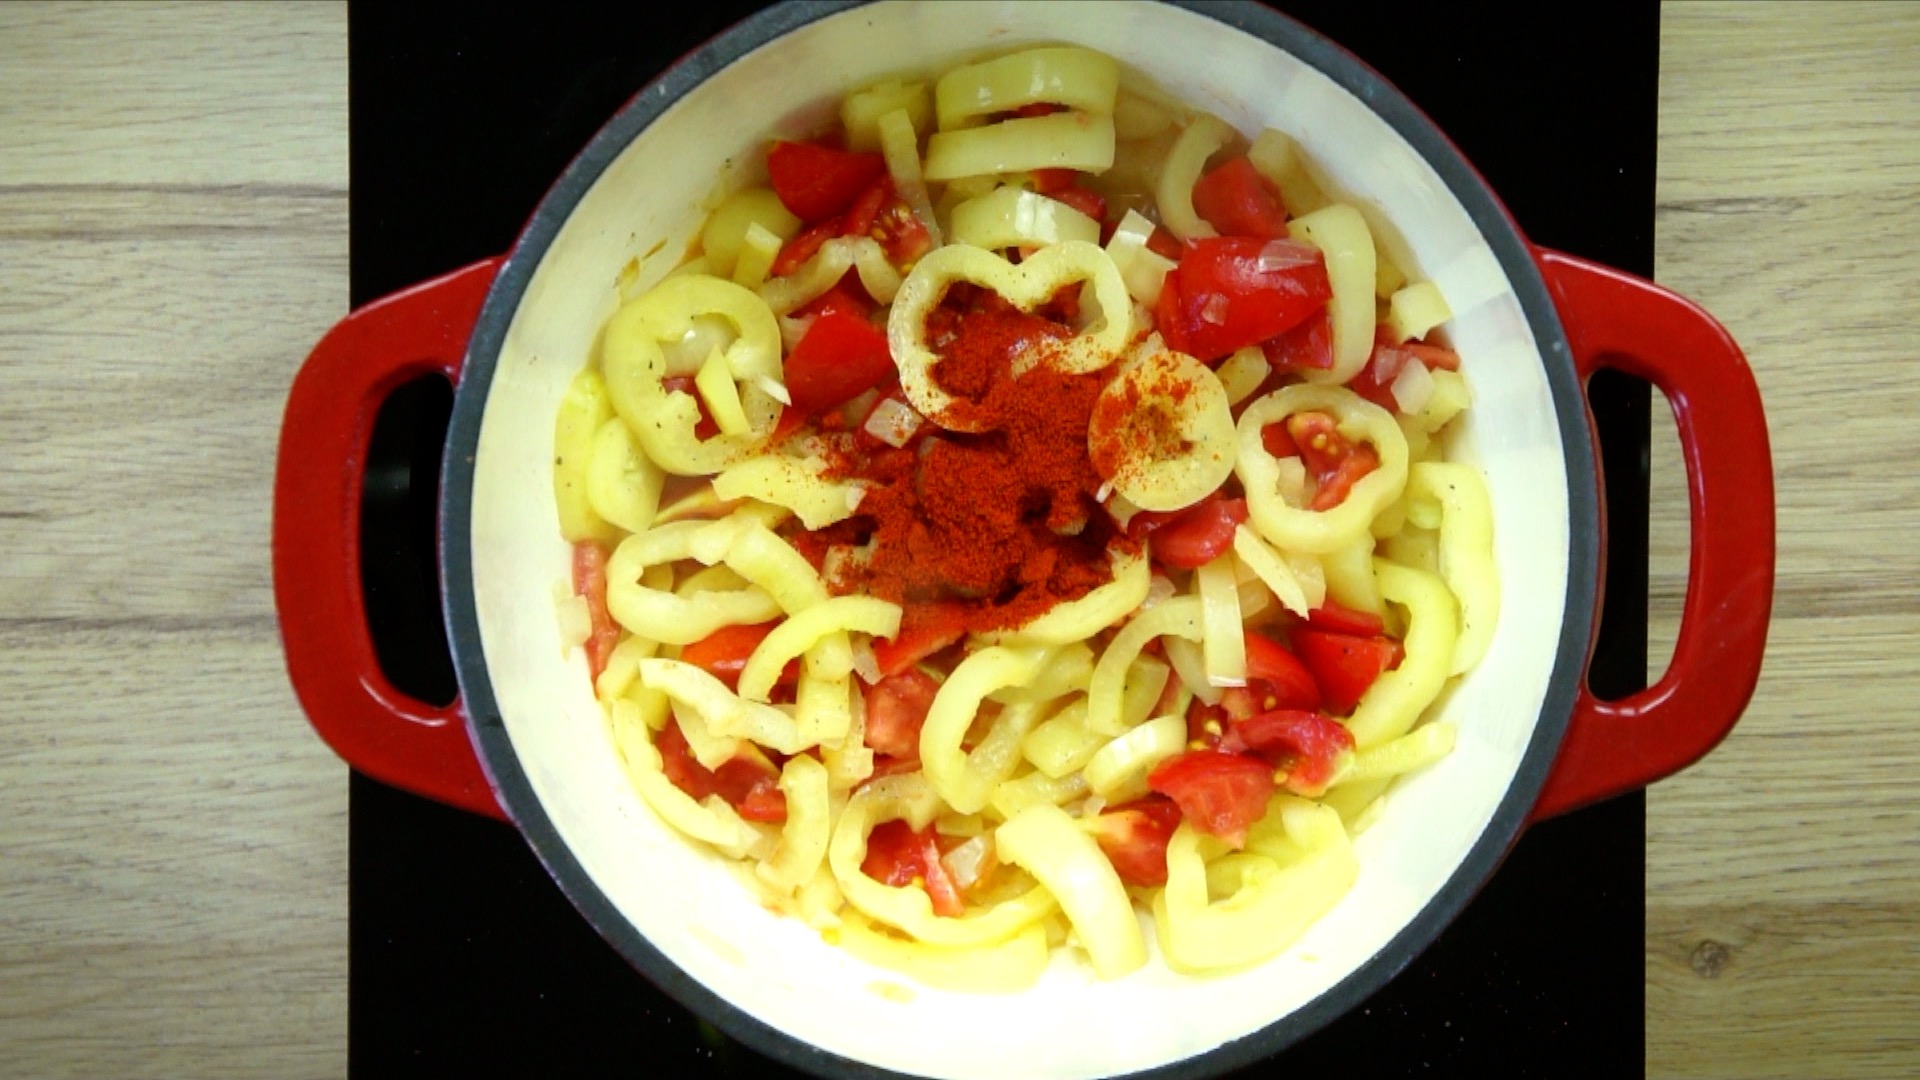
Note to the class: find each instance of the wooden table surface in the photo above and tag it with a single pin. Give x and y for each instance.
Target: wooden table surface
(173, 238)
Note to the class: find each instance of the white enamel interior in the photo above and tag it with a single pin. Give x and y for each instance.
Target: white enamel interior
(683, 900)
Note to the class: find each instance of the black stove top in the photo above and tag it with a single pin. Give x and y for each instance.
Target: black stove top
(464, 955)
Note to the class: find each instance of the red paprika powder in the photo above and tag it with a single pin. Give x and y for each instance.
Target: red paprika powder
(1003, 519)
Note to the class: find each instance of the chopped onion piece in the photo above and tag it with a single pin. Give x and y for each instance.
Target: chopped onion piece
(775, 389)
(1214, 310)
(1291, 481)
(1412, 387)
(705, 334)
(1160, 588)
(893, 422)
(967, 861)
(865, 664)
(792, 329)
(1282, 254)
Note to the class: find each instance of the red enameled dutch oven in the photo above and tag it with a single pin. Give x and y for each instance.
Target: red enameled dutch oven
(526, 740)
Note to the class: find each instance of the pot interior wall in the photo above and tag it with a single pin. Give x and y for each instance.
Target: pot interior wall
(638, 218)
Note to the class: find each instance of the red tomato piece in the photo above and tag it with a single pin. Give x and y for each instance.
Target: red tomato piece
(896, 710)
(1192, 537)
(1306, 347)
(1228, 298)
(898, 856)
(1134, 837)
(676, 760)
(1344, 620)
(1333, 463)
(1307, 744)
(1206, 724)
(818, 182)
(590, 583)
(925, 629)
(1236, 200)
(724, 652)
(865, 211)
(1436, 357)
(1335, 488)
(1277, 442)
(802, 247)
(1277, 678)
(1220, 793)
(1049, 181)
(764, 803)
(840, 357)
(1090, 203)
(1165, 244)
(1375, 380)
(900, 233)
(1345, 665)
(750, 783)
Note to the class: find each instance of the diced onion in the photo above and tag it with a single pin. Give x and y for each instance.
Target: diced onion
(893, 422)
(1280, 254)
(686, 354)
(1161, 588)
(774, 388)
(865, 664)
(1412, 387)
(966, 861)
(1214, 309)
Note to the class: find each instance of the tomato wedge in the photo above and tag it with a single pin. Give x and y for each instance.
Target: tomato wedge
(896, 710)
(751, 785)
(1277, 679)
(749, 782)
(898, 856)
(1334, 463)
(1306, 347)
(590, 584)
(1134, 837)
(1090, 203)
(1236, 200)
(1307, 744)
(840, 357)
(1345, 620)
(724, 652)
(1345, 665)
(1222, 794)
(818, 182)
(802, 247)
(900, 232)
(1192, 537)
(1229, 295)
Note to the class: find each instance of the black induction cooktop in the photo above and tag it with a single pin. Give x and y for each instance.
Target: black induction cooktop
(464, 955)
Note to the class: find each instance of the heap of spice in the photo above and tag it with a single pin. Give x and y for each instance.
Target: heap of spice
(1002, 522)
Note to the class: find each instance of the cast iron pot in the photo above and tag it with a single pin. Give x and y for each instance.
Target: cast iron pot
(526, 740)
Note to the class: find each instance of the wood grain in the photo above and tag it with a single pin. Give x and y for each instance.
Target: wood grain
(1783, 872)
(173, 845)
(172, 240)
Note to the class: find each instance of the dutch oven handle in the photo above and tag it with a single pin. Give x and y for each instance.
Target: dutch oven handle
(316, 539)
(1618, 321)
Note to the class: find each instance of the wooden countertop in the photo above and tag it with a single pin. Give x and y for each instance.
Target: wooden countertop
(173, 239)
